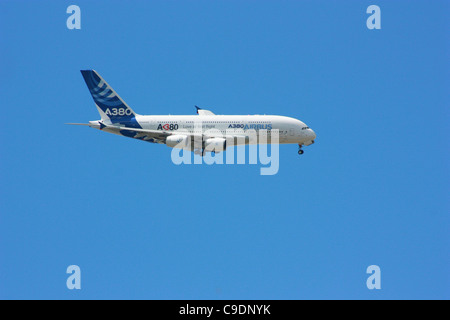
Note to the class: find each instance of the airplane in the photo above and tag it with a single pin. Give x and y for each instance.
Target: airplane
(179, 131)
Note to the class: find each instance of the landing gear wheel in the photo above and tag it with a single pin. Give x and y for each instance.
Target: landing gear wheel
(300, 151)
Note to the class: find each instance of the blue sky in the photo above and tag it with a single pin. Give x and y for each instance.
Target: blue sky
(372, 190)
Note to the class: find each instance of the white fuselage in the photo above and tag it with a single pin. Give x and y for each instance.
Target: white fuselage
(290, 130)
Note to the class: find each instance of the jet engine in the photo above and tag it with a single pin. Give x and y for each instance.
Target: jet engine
(215, 144)
(177, 141)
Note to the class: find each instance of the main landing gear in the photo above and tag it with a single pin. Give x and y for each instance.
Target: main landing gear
(300, 150)
(200, 152)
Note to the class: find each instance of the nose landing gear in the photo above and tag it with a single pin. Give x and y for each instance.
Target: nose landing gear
(300, 150)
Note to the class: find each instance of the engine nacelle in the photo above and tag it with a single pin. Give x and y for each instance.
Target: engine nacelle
(177, 141)
(215, 144)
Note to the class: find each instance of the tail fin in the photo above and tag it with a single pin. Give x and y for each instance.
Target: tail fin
(109, 104)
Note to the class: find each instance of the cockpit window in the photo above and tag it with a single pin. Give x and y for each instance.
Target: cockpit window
(304, 128)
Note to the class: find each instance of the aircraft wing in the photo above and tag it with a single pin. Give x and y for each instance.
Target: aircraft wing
(160, 136)
(155, 136)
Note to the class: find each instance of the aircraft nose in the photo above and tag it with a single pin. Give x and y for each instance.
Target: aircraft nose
(312, 134)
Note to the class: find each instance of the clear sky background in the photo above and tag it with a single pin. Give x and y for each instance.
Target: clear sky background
(374, 189)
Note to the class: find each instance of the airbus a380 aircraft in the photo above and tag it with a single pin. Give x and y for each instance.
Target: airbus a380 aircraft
(212, 130)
